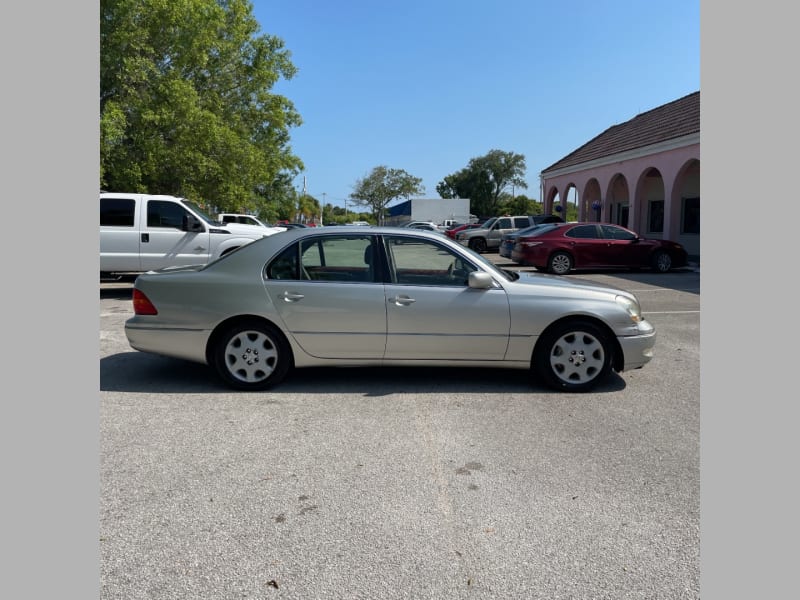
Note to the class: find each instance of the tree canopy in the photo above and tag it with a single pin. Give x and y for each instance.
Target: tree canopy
(484, 180)
(381, 186)
(186, 106)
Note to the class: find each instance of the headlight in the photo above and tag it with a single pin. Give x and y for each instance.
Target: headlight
(631, 307)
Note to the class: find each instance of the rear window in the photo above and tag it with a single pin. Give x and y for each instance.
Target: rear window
(520, 222)
(117, 212)
(540, 229)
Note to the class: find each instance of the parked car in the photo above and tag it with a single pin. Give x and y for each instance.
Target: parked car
(241, 219)
(383, 296)
(427, 225)
(509, 240)
(289, 225)
(453, 231)
(560, 248)
(488, 236)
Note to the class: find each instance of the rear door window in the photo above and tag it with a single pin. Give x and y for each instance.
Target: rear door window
(117, 212)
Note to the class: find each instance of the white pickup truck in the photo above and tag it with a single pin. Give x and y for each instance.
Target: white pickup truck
(143, 232)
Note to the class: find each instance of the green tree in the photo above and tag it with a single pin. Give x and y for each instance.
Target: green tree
(484, 180)
(308, 208)
(381, 186)
(519, 205)
(186, 105)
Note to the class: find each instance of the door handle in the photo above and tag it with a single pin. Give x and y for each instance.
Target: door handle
(292, 296)
(402, 301)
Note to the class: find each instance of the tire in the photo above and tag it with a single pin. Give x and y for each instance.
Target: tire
(478, 245)
(573, 356)
(252, 355)
(662, 261)
(560, 263)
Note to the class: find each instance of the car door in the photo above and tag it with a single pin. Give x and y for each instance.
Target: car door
(432, 314)
(119, 236)
(329, 298)
(164, 242)
(625, 249)
(588, 247)
(502, 226)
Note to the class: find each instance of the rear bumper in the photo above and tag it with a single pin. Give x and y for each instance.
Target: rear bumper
(188, 344)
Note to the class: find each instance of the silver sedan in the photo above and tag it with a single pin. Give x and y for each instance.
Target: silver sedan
(351, 296)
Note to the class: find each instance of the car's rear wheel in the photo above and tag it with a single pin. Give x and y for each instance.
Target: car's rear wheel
(478, 245)
(662, 261)
(252, 355)
(573, 356)
(560, 263)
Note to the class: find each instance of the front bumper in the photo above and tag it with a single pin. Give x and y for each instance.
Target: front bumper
(637, 350)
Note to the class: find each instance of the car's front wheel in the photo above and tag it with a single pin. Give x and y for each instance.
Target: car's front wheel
(573, 356)
(478, 245)
(662, 261)
(560, 263)
(252, 355)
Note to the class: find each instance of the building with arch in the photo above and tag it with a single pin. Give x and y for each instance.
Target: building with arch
(643, 174)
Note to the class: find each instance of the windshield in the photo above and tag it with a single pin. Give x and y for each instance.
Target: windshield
(489, 223)
(200, 212)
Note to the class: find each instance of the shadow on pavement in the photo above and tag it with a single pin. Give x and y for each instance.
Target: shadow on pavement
(142, 372)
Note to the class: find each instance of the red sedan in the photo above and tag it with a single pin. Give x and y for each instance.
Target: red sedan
(561, 247)
(451, 233)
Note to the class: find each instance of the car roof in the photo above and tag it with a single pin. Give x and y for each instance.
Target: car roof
(272, 244)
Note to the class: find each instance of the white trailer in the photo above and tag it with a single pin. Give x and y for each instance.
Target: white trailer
(438, 210)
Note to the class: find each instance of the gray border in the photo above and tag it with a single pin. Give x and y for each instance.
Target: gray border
(50, 416)
(748, 413)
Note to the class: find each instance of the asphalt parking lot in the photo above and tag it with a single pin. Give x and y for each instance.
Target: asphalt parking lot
(403, 483)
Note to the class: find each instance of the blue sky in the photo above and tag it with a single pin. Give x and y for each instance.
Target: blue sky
(426, 86)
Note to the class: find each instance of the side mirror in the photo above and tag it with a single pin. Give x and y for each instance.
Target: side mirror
(479, 280)
(192, 224)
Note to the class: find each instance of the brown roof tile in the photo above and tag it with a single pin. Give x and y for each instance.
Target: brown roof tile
(674, 119)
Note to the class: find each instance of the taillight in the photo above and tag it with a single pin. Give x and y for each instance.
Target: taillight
(142, 304)
(528, 243)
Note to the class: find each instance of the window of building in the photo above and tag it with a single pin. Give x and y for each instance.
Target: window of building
(655, 216)
(690, 221)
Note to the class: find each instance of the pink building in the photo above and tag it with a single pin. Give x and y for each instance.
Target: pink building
(643, 174)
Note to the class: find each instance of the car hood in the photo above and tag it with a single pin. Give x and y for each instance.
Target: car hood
(556, 282)
(251, 230)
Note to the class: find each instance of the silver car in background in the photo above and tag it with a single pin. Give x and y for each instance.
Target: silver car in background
(350, 296)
